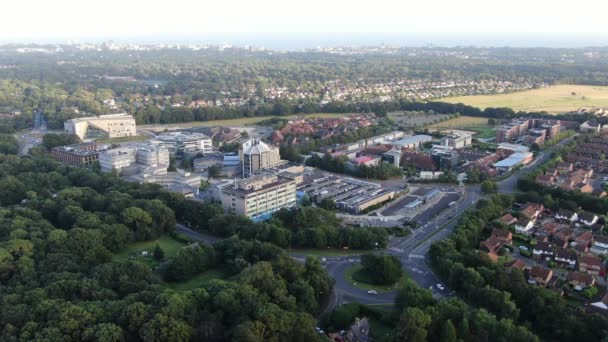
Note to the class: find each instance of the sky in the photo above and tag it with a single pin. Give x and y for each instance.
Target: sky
(44, 20)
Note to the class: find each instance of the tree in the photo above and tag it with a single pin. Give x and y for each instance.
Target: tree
(162, 328)
(448, 332)
(159, 254)
(383, 269)
(489, 187)
(51, 140)
(214, 171)
(413, 325)
(328, 204)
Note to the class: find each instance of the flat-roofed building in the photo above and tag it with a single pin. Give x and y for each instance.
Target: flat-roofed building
(117, 159)
(184, 142)
(457, 140)
(259, 196)
(83, 154)
(101, 127)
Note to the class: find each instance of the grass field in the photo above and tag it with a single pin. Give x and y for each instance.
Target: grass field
(134, 250)
(468, 123)
(356, 276)
(199, 279)
(555, 99)
(237, 122)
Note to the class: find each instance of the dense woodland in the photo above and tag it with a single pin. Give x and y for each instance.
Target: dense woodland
(59, 228)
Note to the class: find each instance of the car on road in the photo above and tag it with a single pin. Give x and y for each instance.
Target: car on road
(441, 287)
(372, 292)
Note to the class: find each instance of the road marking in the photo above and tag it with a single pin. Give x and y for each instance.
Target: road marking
(416, 256)
(395, 249)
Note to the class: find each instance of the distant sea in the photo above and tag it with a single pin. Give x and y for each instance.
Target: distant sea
(301, 41)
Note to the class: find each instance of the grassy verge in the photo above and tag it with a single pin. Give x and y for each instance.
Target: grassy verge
(199, 279)
(358, 277)
(134, 251)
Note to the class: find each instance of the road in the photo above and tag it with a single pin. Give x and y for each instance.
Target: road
(411, 250)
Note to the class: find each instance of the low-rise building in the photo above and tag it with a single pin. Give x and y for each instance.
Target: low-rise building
(117, 159)
(540, 276)
(565, 257)
(600, 245)
(580, 281)
(591, 264)
(524, 226)
(84, 154)
(543, 250)
(565, 215)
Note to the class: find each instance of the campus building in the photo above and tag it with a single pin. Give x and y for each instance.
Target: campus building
(180, 143)
(83, 154)
(259, 196)
(457, 140)
(101, 127)
(256, 156)
(133, 157)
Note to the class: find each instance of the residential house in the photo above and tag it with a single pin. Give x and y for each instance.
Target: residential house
(565, 257)
(580, 281)
(583, 239)
(563, 237)
(601, 306)
(543, 250)
(540, 276)
(492, 247)
(591, 264)
(565, 215)
(532, 210)
(507, 219)
(588, 219)
(517, 263)
(502, 235)
(600, 244)
(524, 226)
(546, 230)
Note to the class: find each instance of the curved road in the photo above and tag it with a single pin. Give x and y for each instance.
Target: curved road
(411, 250)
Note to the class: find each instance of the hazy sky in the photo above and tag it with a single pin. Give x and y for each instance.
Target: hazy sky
(43, 19)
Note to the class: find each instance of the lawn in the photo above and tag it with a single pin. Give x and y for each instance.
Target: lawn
(468, 123)
(238, 122)
(133, 252)
(199, 279)
(555, 99)
(356, 276)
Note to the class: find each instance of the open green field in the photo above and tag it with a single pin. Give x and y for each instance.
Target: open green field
(356, 276)
(467, 123)
(134, 250)
(555, 99)
(199, 279)
(236, 122)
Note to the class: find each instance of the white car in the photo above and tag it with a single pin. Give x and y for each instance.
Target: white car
(439, 286)
(372, 292)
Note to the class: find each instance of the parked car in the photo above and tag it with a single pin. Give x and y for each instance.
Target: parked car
(372, 292)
